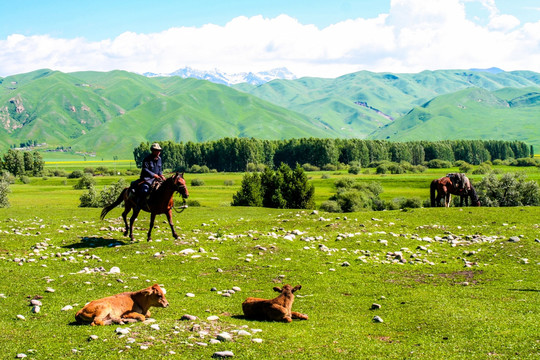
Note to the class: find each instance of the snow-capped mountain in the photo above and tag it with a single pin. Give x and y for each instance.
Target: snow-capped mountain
(219, 77)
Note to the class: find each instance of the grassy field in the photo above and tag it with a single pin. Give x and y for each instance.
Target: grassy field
(450, 283)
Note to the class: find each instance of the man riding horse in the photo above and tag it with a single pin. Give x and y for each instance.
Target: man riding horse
(151, 171)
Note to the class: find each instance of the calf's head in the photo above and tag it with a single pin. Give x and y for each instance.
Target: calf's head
(287, 289)
(155, 296)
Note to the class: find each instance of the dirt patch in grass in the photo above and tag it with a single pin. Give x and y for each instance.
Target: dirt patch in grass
(459, 277)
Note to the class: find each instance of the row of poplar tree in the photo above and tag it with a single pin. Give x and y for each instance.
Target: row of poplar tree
(19, 163)
(234, 154)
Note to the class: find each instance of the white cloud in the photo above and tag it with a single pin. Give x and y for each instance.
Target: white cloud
(414, 35)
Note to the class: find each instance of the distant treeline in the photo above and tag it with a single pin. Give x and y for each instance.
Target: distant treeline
(234, 154)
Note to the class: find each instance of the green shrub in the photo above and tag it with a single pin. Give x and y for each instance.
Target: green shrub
(7, 177)
(109, 194)
(193, 203)
(228, 182)
(465, 167)
(62, 173)
(85, 182)
(508, 190)
(25, 179)
(197, 182)
(526, 162)
(75, 174)
(250, 192)
(90, 198)
(382, 169)
(439, 164)
(325, 176)
(483, 168)
(309, 167)
(89, 170)
(329, 167)
(330, 206)
(4, 191)
(412, 203)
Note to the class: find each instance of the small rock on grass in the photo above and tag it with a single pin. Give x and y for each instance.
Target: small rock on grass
(377, 319)
(257, 340)
(224, 336)
(188, 317)
(375, 306)
(223, 354)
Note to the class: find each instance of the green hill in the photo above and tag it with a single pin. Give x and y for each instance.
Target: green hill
(111, 112)
(115, 111)
(472, 113)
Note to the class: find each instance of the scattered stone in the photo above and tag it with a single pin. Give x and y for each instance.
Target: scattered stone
(190, 295)
(375, 306)
(36, 309)
(35, 302)
(20, 356)
(20, 317)
(243, 333)
(93, 337)
(223, 354)
(188, 317)
(377, 319)
(514, 239)
(213, 289)
(123, 331)
(257, 340)
(224, 336)
(67, 308)
(214, 341)
(345, 263)
(212, 318)
(201, 344)
(49, 290)
(114, 270)
(236, 288)
(155, 327)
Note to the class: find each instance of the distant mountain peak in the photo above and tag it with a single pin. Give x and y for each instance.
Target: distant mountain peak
(491, 70)
(219, 77)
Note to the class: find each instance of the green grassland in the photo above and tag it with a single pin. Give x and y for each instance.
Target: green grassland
(474, 297)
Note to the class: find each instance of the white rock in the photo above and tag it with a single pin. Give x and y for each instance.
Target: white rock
(123, 331)
(257, 340)
(49, 290)
(67, 308)
(190, 295)
(93, 337)
(36, 309)
(20, 317)
(187, 251)
(155, 326)
(20, 356)
(223, 354)
(243, 333)
(377, 319)
(212, 318)
(214, 341)
(35, 302)
(224, 336)
(114, 270)
(236, 288)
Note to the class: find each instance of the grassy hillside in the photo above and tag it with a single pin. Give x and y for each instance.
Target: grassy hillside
(115, 111)
(111, 112)
(359, 103)
(472, 113)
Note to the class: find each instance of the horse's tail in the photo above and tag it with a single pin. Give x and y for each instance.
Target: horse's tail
(117, 202)
(432, 189)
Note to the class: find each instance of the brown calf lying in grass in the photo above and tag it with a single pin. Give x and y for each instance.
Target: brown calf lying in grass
(122, 308)
(277, 309)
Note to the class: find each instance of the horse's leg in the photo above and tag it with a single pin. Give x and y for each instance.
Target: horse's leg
(447, 200)
(152, 219)
(136, 211)
(127, 209)
(169, 218)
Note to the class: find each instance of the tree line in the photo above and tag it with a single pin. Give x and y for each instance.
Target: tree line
(234, 154)
(19, 163)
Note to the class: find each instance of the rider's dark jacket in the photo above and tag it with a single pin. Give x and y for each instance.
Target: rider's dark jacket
(150, 167)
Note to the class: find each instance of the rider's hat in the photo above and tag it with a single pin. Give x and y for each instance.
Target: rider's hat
(155, 146)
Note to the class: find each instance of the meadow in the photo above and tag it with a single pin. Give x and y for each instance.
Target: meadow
(457, 283)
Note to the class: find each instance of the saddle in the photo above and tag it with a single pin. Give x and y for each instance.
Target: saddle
(135, 194)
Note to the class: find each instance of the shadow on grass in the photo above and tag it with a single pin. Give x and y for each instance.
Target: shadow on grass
(95, 242)
(532, 290)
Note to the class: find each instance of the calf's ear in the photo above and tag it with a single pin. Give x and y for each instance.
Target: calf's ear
(277, 289)
(297, 287)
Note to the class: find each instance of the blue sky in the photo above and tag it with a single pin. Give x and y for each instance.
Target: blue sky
(310, 37)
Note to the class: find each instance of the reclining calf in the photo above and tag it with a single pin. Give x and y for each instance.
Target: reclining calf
(277, 309)
(122, 308)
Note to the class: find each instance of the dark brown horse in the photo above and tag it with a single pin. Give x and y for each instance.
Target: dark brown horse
(160, 202)
(445, 189)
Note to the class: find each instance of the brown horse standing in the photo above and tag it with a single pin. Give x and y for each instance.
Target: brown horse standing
(445, 188)
(160, 202)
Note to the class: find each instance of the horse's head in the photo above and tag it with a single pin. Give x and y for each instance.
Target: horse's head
(180, 185)
(474, 196)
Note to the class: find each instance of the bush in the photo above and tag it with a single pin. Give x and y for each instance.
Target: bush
(355, 170)
(4, 191)
(412, 203)
(89, 199)
(197, 182)
(330, 206)
(395, 168)
(526, 162)
(7, 177)
(325, 176)
(25, 179)
(89, 170)
(85, 182)
(508, 190)
(62, 173)
(439, 164)
(354, 196)
(250, 193)
(109, 194)
(228, 182)
(75, 174)
(193, 203)
(465, 167)
(309, 167)
(483, 168)
(329, 167)
(382, 169)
